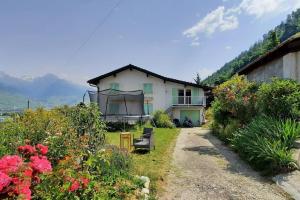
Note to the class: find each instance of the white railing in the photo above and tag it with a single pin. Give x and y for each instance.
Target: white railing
(188, 100)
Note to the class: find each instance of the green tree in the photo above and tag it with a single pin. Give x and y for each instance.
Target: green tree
(197, 79)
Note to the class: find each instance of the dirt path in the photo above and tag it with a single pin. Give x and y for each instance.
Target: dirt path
(206, 169)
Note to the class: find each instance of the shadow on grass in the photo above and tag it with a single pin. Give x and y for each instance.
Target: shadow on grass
(141, 151)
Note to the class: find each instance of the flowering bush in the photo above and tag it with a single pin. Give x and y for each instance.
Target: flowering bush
(236, 98)
(18, 174)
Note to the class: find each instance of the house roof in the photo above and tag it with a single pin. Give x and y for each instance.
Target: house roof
(292, 44)
(96, 80)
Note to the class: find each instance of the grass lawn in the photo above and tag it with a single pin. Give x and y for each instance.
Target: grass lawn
(155, 164)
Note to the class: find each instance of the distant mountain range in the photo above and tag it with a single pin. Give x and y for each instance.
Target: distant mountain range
(47, 91)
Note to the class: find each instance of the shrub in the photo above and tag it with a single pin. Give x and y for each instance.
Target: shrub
(266, 143)
(220, 115)
(162, 120)
(279, 98)
(103, 175)
(11, 136)
(235, 99)
(226, 134)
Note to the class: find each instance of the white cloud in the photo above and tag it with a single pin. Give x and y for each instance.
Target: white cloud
(228, 47)
(217, 20)
(259, 8)
(224, 19)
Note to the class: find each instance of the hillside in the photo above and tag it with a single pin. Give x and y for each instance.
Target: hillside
(281, 32)
(46, 91)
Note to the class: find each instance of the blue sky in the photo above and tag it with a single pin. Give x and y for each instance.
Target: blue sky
(174, 38)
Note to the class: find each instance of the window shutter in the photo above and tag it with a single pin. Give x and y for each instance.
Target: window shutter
(195, 96)
(174, 95)
(114, 86)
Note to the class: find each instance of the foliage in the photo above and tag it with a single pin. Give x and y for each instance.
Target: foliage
(197, 79)
(162, 119)
(86, 121)
(11, 136)
(270, 40)
(266, 143)
(234, 99)
(104, 175)
(280, 98)
(75, 138)
(226, 132)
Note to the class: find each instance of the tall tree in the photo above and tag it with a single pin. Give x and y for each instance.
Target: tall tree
(197, 79)
(273, 40)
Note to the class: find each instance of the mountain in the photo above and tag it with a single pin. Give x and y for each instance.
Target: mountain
(281, 32)
(47, 91)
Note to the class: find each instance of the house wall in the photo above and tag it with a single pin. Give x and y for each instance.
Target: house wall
(267, 71)
(134, 80)
(287, 66)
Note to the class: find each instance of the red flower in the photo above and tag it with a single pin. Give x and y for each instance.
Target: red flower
(27, 150)
(28, 172)
(22, 188)
(4, 181)
(40, 164)
(75, 186)
(10, 164)
(85, 182)
(43, 149)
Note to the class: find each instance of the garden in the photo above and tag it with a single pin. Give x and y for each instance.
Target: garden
(260, 121)
(67, 153)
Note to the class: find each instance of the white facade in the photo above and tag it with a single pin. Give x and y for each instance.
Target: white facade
(165, 94)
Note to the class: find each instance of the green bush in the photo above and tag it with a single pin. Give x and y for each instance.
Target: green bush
(280, 98)
(11, 137)
(226, 133)
(162, 120)
(266, 143)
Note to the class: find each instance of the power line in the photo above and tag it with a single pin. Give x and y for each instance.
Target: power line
(99, 25)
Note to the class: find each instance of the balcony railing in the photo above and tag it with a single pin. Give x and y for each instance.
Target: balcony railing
(188, 100)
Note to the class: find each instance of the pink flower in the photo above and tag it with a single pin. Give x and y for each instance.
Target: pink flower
(40, 164)
(27, 150)
(75, 186)
(4, 181)
(10, 164)
(43, 149)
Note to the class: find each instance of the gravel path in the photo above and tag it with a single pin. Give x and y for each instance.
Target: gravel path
(206, 169)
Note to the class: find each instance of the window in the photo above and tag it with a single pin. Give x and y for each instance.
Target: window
(148, 88)
(148, 108)
(114, 86)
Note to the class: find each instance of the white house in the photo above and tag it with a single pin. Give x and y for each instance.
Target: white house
(178, 98)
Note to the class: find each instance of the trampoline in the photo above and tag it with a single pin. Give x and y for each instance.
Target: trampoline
(117, 105)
